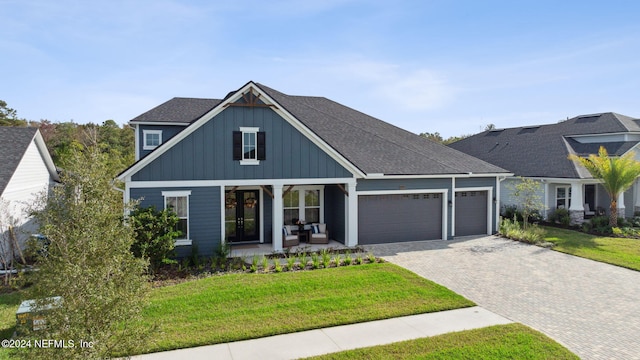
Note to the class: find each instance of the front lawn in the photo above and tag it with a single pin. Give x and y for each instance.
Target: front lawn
(616, 251)
(512, 341)
(243, 306)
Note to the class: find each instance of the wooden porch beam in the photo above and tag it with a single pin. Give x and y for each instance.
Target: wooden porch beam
(287, 191)
(341, 187)
(265, 189)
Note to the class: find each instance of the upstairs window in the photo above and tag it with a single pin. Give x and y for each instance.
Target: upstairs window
(249, 146)
(151, 139)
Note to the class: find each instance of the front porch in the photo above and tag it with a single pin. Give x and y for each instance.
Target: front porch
(255, 212)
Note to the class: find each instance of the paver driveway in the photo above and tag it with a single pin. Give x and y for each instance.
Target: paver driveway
(590, 307)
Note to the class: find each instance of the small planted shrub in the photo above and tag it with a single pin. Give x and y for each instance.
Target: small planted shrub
(600, 224)
(512, 229)
(347, 258)
(291, 261)
(265, 264)
(560, 216)
(254, 263)
(358, 260)
(371, 258)
(326, 257)
(315, 260)
(277, 267)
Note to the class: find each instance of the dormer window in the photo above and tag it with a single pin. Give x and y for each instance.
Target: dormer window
(249, 145)
(151, 139)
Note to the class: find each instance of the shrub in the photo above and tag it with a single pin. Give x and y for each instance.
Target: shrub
(600, 224)
(155, 234)
(513, 230)
(561, 216)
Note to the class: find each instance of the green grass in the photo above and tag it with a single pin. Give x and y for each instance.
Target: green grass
(616, 251)
(9, 304)
(512, 341)
(243, 306)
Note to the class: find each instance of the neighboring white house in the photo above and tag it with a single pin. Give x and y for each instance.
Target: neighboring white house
(26, 170)
(541, 153)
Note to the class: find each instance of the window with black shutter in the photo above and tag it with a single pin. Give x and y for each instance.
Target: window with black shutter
(249, 146)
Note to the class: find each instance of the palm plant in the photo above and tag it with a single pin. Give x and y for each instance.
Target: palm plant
(617, 174)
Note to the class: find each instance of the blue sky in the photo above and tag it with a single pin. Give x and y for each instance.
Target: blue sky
(426, 66)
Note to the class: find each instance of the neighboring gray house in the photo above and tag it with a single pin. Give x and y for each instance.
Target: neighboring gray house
(237, 169)
(26, 170)
(541, 153)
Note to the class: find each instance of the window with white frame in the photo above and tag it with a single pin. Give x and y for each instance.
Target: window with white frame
(178, 201)
(151, 139)
(563, 197)
(303, 203)
(249, 145)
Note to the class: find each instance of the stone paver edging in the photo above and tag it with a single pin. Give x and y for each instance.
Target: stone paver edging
(591, 308)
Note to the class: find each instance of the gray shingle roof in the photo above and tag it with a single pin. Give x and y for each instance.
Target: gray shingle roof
(185, 110)
(542, 151)
(375, 146)
(14, 142)
(372, 145)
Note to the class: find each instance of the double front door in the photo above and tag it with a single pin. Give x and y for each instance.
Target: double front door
(242, 216)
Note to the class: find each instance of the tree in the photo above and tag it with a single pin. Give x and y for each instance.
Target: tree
(9, 117)
(88, 263)
(155, 234)
(528, 192)
(617, 175)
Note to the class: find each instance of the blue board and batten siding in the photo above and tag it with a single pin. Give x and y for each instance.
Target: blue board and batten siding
(207, 153)
(204, 215)
(167, 133)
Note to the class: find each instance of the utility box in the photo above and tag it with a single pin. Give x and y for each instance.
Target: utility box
(27, 319)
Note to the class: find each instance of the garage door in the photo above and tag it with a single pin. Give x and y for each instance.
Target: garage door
(471, 213)
(396, 218)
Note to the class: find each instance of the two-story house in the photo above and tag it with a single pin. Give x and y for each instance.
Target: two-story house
(236, 170)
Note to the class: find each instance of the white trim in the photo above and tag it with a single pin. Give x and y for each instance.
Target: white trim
(489, 190)
(249, 162)
(453, 207)
(176, 193)
(159, 123)
(223, 225)
(187, 194)
(373, 176)
(402, 192)
(137, 142)
(144, 139)
(219, 108)
(239, 182)
(46, 157)
(254, 131)
(444, 196)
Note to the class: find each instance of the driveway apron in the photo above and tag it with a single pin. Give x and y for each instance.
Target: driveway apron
(590, 307)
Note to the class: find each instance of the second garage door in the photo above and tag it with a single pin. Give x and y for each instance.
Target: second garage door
(396, 218)
(471, 213)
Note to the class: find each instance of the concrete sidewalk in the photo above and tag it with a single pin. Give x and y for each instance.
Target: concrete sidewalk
(339, 338)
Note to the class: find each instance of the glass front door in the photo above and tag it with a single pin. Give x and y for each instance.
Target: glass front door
(242, 216)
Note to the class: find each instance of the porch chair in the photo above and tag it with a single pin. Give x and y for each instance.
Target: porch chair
(288, 238)
(319, 234)
(587, 211)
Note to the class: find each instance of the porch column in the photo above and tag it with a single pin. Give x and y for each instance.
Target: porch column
(576, 210)
(352, 215)
(277, 220)
(621, 206)
(636, 203)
